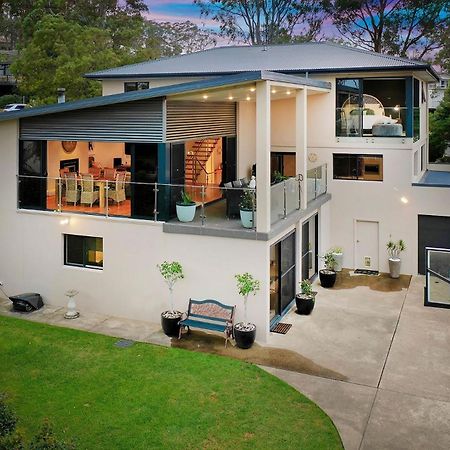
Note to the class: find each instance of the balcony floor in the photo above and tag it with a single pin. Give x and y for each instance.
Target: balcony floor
(434, 178)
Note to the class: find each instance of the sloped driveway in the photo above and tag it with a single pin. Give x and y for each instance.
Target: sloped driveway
(394, 355)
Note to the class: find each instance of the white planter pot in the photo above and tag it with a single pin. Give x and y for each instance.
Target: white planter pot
(186, 213)
(339, 257)
(394, 267)
(247, 218)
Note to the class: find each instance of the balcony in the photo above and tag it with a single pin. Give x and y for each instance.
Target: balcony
(217, 208)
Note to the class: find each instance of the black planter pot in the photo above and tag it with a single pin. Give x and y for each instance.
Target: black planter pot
(244, 339)
(305, 304)
(327, 278)
(170, 325)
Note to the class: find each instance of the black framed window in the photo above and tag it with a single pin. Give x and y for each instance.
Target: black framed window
(372, 107)
(135, 86)
(83, 251)
(348, 166)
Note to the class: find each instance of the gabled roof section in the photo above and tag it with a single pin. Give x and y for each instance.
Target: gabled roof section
(290, 58)
(165, 91)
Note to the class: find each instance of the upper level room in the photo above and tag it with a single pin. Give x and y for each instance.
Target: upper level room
(375, 95)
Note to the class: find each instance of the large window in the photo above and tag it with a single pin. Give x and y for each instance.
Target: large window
(357, 167)
(136, 86)
(83, 251)
(371, 107)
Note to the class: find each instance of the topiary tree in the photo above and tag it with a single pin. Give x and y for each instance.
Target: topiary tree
(171, 272)
(246, 285)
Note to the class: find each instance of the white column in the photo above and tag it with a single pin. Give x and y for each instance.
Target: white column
(301, 149)
(263, 157)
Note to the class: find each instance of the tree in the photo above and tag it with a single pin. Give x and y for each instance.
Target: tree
(440, 130)
(179, 37)
(58, 55)
(261, 22)
(409, 28)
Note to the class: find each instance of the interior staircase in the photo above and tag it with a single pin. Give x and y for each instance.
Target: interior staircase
(197, 158)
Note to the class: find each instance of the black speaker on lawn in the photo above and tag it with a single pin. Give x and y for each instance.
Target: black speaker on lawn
(27, 302)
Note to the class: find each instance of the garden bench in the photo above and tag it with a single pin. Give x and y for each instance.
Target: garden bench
(209, 315)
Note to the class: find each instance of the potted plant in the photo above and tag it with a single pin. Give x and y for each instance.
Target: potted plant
(247, 208)
(305, 300)
(245, 332)
(278, 177)
(394, 249)
(328, 274)
(171, 272)
(339, 257)
(186, 208)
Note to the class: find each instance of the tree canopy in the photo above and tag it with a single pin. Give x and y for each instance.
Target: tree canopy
(440, 130)
(409, 28)
(263, 22)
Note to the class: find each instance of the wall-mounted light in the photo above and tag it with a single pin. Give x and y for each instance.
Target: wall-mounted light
(248, 99)
(288, 92)
(230, 97)
(205, 96)
(252, 89)
(64, 221)
(274, 91)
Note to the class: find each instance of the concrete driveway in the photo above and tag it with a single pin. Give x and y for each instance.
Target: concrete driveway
(395, 357)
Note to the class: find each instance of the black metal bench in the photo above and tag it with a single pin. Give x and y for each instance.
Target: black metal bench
(209, 315)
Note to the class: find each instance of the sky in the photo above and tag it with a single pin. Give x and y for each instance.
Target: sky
(177, 11)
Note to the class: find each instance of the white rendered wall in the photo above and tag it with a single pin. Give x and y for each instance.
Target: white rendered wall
(31, 259)
(110, 87)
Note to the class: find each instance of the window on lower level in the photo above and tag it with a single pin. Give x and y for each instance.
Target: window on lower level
(83, 251)
(347, 166)
(136, 86)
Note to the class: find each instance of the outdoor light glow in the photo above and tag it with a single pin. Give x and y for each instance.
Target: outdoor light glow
(205, 96)
(288, 92)
(404, 200)
(274, 91)
(252, 89)
(64, 221)
(397, 108)
(230, 97)
(248, 98)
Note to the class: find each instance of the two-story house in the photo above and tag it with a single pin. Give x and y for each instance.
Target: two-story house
(347, 127)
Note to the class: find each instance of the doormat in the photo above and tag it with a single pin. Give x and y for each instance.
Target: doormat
(281, 328)
(366, 272)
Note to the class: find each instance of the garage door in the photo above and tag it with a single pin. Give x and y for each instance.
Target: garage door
(434, 231)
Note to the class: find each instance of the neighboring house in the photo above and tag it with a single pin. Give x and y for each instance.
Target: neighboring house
(350, 128)
(7, 79)
(436, 91)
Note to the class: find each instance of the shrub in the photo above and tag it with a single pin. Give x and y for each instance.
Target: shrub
(46, 440)
(10, 98)
(8, 419)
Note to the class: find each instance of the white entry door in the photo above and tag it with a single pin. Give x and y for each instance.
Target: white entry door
(366, 245)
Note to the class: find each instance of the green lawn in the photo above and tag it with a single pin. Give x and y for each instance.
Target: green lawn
(146, 397)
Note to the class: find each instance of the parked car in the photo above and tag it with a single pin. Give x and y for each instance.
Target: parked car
(15, 107)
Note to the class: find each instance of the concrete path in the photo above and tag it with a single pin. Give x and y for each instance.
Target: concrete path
(392, 351)
(395, 354)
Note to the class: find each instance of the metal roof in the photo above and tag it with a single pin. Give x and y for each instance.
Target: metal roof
(295, 58)
(164, 91)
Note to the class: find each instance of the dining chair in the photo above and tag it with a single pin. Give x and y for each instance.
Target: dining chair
(71, 183)
(116, 191)
(89, 194)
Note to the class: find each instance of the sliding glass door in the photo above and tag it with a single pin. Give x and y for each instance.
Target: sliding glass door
(310, 243)
(282, 275)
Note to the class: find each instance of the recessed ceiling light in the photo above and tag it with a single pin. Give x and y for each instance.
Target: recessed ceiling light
(404, 200)
(248, 98)
(288, 92)
(205, 96)
(230, 97)
(274, 91)
(252, 89)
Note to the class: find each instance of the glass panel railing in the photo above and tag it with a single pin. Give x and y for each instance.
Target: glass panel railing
(437, 277)
(316, 182)
(277, 202)
(284, 198)
(372, 120)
